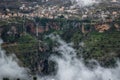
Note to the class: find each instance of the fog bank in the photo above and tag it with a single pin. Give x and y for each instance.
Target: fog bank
(9, 66)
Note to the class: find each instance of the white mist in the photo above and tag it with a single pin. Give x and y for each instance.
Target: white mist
(83, 3)
(71, 68)
(9, 68)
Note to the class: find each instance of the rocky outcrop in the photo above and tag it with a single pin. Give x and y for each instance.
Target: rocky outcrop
(102, 27)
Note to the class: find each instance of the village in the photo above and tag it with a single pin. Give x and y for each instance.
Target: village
(60, 11)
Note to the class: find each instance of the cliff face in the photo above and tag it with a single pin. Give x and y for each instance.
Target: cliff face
(28, 41)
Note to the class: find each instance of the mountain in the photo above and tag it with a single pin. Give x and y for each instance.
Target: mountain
(95, 35)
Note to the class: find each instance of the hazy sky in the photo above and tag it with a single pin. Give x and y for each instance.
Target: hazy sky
(83, 2)
(86, 2)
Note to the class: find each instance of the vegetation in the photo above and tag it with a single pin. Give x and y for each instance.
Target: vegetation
(103, 47)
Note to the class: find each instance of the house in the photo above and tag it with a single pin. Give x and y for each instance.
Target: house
(114, 1)
(84, 16)
(117, 27)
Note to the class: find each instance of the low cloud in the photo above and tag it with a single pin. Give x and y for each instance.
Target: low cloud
(9, 67)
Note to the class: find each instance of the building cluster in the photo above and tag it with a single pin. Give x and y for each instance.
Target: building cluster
(41, 11)
(54, 11)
